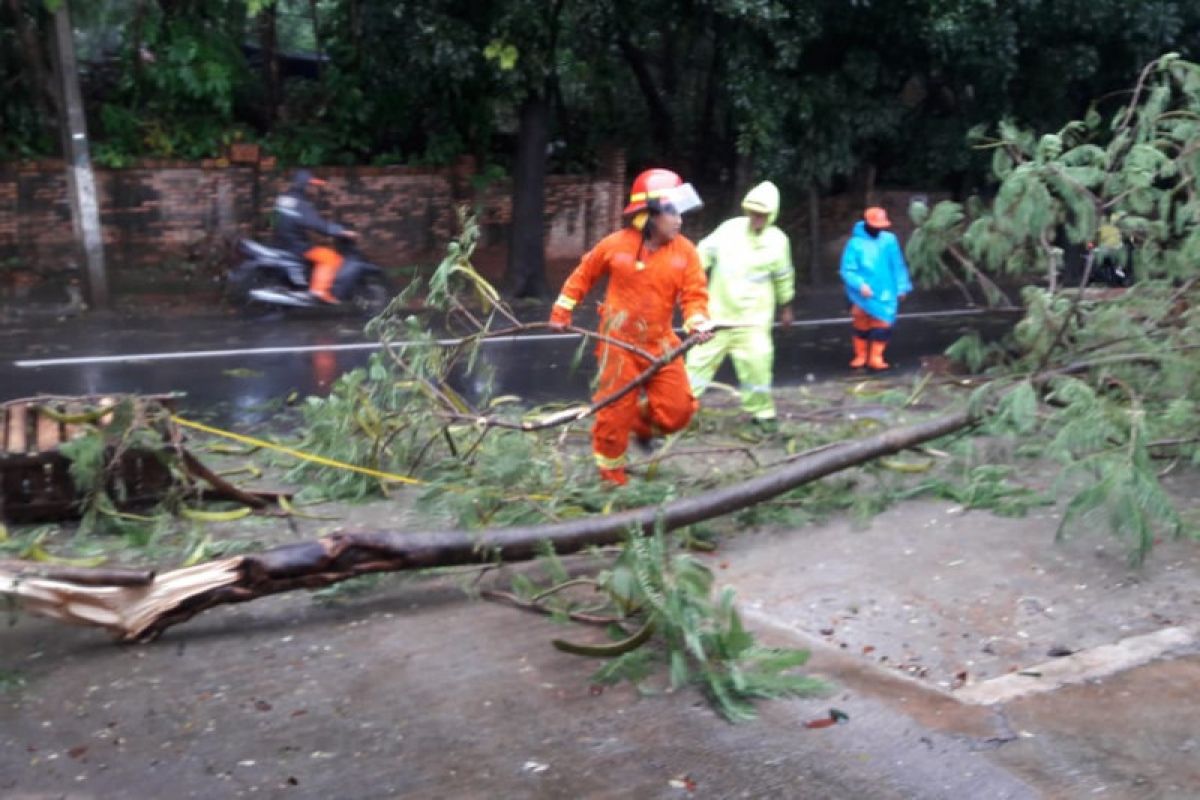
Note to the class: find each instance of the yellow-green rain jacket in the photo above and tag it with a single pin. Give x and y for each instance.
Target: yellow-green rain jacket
(749, 274)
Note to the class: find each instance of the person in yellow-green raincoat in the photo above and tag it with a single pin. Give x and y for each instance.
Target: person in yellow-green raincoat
(750, 275)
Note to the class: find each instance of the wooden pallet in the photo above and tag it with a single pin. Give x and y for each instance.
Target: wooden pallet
(35, 479)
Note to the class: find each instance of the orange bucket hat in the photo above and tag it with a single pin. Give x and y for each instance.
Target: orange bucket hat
(876, 217)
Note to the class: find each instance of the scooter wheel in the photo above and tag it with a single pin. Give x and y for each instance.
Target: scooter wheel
(240, 282)
(371, 295)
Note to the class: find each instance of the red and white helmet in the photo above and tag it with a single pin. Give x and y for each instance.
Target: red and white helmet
(656, 188)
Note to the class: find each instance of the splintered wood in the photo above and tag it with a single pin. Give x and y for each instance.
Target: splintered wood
(38, 426)
(16, 433)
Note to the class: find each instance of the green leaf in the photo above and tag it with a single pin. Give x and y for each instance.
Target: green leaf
(969, 350)
(1019, 408)
(1002, 163)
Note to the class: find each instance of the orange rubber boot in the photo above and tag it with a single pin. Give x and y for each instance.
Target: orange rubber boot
(860, 352)
(875, 360)
(615, 476)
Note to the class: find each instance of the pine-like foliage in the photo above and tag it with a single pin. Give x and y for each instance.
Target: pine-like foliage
(1107, 382)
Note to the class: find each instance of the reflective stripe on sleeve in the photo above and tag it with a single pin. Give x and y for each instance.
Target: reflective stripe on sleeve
(565, 302)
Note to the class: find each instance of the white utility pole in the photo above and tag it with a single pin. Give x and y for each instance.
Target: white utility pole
(81, 182)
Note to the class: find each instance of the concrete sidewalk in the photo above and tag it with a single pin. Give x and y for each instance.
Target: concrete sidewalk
(1072, 670)
(416, 691)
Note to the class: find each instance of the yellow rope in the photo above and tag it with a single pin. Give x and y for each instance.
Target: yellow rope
(328, 462)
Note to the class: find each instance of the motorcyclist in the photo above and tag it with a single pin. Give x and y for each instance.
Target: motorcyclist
(295, 216)
(1111, 254)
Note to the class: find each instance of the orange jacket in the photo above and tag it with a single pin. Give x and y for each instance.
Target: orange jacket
(641, 295)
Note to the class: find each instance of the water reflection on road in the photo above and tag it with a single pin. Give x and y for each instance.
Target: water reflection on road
(247, 369)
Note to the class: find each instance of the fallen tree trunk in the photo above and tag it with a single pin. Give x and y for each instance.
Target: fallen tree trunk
(140, 611)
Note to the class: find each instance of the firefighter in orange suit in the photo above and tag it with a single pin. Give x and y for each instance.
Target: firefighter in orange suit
(650, 267)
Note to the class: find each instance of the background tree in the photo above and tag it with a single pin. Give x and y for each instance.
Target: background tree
(1108, 381)
(530, 73)
(27, 110)
(818, 95)
(170, 88)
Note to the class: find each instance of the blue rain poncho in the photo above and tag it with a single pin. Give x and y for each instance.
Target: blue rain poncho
(876, 262)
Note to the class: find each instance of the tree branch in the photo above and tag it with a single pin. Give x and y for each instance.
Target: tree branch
(1071, 312)
(574, 415)
(517, 330)
(143, 612)
(528, 605)
(982, 279)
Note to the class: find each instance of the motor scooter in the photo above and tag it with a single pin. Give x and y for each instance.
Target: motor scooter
(277, 277)
(1109, 264)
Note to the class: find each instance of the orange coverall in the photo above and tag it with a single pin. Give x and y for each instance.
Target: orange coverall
(638, 309)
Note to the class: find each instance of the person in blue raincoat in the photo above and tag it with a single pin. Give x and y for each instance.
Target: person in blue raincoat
(876, 280)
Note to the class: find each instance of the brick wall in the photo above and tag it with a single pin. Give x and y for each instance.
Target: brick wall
(167, 212)
(164, 213)
(8, 216)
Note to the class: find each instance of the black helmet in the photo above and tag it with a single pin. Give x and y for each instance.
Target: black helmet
(302, 179)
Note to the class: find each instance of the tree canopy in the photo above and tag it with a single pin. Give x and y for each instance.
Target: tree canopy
(809, 92)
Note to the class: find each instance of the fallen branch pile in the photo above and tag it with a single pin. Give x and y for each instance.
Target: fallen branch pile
(140, 606)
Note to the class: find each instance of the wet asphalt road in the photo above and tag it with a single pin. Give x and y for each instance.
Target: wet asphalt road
(235, 368)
